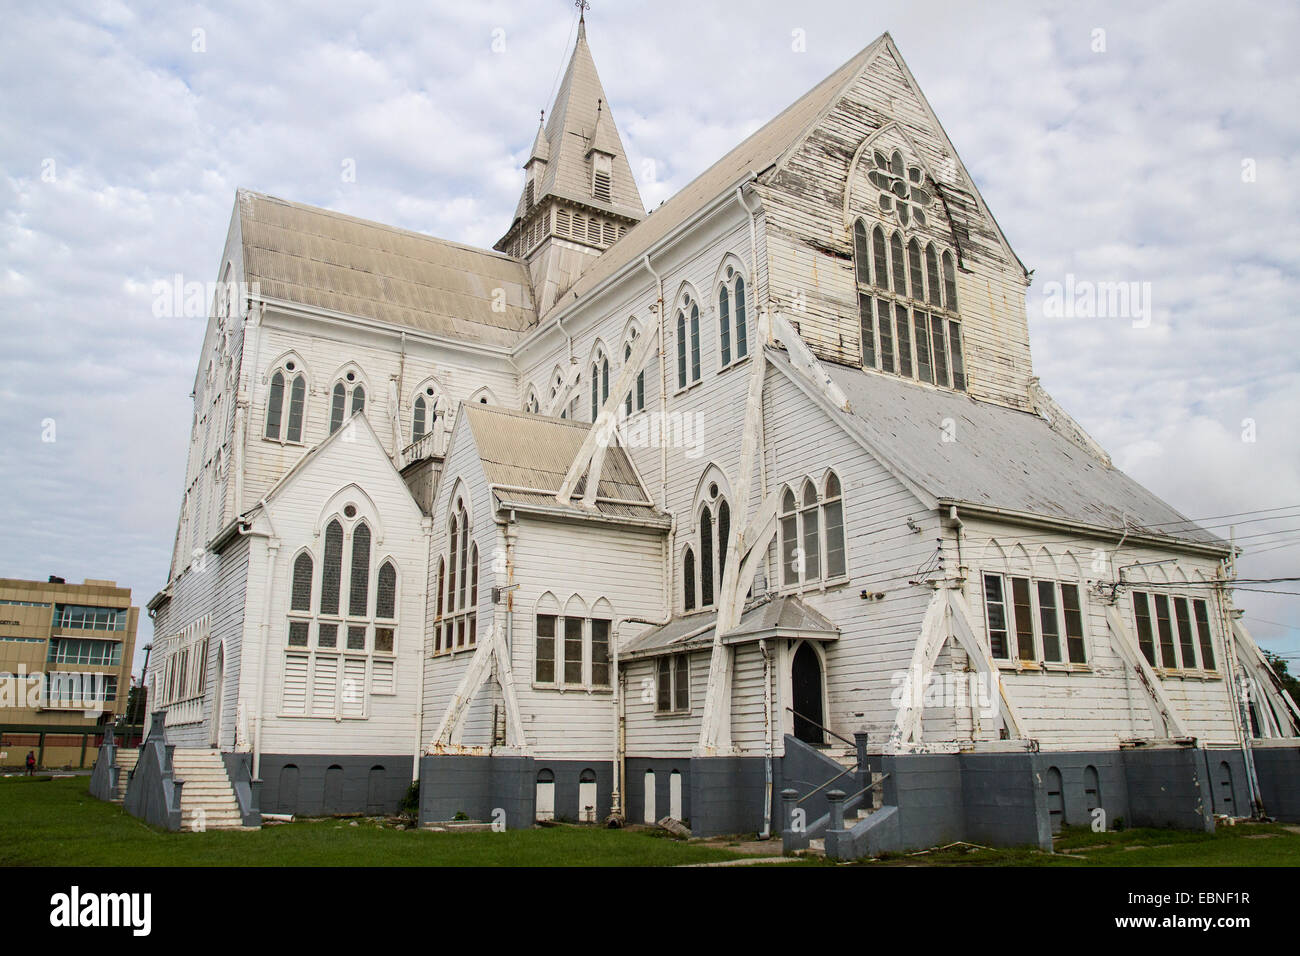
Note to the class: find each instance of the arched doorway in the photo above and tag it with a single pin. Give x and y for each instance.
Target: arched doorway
(806, 695)
(1055, 798)
(218, 692)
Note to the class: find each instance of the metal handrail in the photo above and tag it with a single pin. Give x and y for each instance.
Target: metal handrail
(857, 764)
(874, 783)
(851, 743)
(852, 769)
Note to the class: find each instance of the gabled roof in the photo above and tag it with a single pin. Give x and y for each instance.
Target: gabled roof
(771, 145)
(775, 616)
(525, 457)
(324, 259)
(999, 458)
(755, 154)
(579, 122)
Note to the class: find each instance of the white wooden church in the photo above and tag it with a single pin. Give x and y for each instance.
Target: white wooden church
(749, 512)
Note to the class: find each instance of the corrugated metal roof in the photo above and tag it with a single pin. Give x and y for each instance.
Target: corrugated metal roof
(999, 458)
(756, 153)
(520, 450)
(321, 258)
(787, 613)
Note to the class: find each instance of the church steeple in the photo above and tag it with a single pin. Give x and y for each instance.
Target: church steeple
(579, 195)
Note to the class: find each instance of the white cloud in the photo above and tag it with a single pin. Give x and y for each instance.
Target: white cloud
(1125, 165)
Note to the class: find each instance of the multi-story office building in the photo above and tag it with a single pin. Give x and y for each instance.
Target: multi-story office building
(65, 667)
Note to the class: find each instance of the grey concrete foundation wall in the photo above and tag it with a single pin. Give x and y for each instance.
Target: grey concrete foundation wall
(1004, 801)
(1278, 769)
(320, 792)
(480, 785)
(634, 787)
(726, 795)
(1168, 788)
(927, 789)
(1229, 789)
(1111, 781)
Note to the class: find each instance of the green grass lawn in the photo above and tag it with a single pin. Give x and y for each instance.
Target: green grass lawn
(57, 823)
(46, 822)
(1246, 844)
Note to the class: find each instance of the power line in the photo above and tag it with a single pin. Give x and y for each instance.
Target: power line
(1238, 514)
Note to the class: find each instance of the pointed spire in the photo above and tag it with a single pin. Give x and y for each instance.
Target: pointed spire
(583, 6)
(579, 122)
(541, 148)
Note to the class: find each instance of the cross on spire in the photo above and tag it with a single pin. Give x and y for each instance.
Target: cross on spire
(583, 6)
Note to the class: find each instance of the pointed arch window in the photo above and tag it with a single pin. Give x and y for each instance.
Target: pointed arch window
(833, 523)
(688, 343)
(688, 579)
(332, 570)
(285, 402)
(907, 308)
(331, 664)
(456, 625)
(932, 275)
(808, 519)
(703, 578)
(359, 586)
(707, 553)
(813, 548)
(424, 413)
(635, 400)
(724, 536)
(531, 404)
(681, 350)
(300, 600)
(572, 645)
(861, 253)
(599, 382)
(346, 399)
(733, 331)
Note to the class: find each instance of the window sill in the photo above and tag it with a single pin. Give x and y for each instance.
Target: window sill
(1177, 673)
(284, 443)
(334, 718)
(816, 587)
(1042, 667)
(574, 688)
(733, 363)
(670, 714)
(680, 390)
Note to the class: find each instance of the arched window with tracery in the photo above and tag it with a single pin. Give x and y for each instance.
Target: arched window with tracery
(635, 400)
(907, 305)
(335, 661)
(811, 525)
(688, 342)
(346, 399)
(457, 626)
(286, 400)
(424, 412)
(599, 381)
(733, 329)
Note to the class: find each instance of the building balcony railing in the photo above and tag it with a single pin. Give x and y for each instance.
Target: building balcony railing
(431, 445)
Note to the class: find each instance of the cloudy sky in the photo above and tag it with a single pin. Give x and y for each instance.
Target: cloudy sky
(1155, 144)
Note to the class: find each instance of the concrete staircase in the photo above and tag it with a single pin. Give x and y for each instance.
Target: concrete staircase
(207, 798)
(124, 759)
(852, 818)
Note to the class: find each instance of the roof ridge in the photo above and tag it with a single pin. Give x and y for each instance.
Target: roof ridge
(387, 227)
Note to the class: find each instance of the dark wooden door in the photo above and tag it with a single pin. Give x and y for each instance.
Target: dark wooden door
(806, 694)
